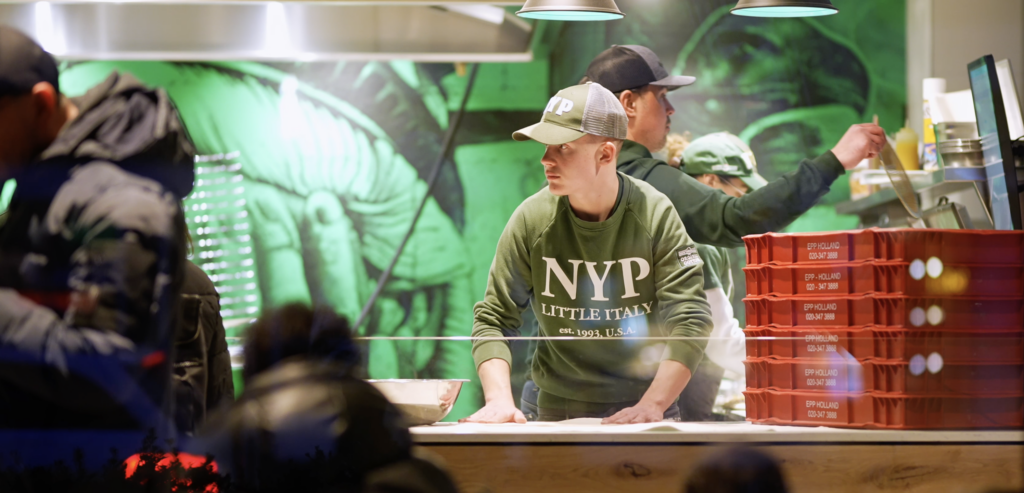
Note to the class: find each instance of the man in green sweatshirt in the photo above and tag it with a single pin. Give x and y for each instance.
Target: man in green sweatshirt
(640, 82)
(602, 258)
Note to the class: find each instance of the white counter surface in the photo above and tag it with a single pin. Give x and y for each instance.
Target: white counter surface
(591, 431)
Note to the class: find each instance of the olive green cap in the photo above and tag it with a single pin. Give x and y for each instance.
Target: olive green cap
(576, 111)
(723, 154)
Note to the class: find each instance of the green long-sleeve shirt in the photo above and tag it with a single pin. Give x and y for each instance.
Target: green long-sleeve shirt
(635, 274)
(717, 219)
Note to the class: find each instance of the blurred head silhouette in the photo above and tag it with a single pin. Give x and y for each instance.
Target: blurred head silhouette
(736, 470)
(298, 331)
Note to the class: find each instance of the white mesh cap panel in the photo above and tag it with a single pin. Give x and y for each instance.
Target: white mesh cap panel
(603, 115)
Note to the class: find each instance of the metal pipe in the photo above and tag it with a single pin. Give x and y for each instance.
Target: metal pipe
(431, 180)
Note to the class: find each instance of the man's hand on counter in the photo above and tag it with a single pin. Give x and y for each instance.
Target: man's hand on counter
(670, 380)
(496, 412)
(863, 141)
(499, 406)
(643, 412)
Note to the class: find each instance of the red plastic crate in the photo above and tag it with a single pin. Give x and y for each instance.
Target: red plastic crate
(883, 411)
(907, 245)
(909, 279)
(910, 378)
(866, 343)
(890, 311)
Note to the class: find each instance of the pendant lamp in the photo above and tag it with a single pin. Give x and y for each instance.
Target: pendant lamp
(784, 8)
(571, 10)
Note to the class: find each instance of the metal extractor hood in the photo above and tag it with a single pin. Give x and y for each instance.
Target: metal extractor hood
(426, 31)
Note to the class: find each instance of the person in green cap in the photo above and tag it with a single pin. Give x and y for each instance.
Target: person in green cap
(599, 255)
(724, 162)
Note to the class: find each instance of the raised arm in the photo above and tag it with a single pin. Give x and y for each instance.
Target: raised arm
(714, 218)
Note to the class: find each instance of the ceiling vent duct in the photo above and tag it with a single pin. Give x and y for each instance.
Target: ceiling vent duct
(425, 31)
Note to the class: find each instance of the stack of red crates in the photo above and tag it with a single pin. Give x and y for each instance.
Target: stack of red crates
(886, 329)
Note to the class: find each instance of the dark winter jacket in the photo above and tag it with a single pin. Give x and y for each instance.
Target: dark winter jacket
(202, 365)
(97, 217)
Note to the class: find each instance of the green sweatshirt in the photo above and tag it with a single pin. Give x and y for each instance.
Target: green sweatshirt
(635, 274)
(717, 219)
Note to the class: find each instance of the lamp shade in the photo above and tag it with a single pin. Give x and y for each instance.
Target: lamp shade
(784, 8)
(571, 10)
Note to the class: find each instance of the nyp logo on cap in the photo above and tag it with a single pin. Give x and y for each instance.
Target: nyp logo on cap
(576, 111)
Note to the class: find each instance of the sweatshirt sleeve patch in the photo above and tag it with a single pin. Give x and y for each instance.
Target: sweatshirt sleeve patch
(688, 257)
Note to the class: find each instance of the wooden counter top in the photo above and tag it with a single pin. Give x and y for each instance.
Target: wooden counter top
(591, 431)
(585, 456)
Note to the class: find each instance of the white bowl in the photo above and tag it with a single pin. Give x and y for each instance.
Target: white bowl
(422, 402)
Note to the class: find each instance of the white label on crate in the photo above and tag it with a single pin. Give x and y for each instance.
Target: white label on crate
(821, 338)
(824, 250)
(917, 269)
(822, 409)
(917, 365)
(821, 306)
(917, 317)
(934, 363)
(824, 245)
(823, 286)
(821, 348)
(822, 372)
(819, 312)
(823, 404)
(824, 276)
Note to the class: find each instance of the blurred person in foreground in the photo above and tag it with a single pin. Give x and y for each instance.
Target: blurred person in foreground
(305, 423)
(736, 470)
(91, 246)
(723, 162)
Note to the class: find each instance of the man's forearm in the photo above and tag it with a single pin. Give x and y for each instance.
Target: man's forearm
(668, 383)
(783, 200)
(495, 377)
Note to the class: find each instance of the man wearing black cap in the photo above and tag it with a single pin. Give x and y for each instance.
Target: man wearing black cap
(635, 74)
(90, 253)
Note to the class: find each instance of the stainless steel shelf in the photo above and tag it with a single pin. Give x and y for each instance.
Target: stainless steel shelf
(938, 178)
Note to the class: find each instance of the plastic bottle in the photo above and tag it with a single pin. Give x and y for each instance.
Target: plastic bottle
(906, 148)
(931, 87)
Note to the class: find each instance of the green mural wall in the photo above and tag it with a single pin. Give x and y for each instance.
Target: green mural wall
(310, 172)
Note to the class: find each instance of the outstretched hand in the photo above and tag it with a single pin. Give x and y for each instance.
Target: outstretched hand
(640, 413)
(863, 141)
(496, 413)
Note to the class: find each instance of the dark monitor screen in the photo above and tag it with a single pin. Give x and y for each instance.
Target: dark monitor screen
(995, 143)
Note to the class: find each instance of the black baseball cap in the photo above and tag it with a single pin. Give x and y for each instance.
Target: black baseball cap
(624, 67)
(23, 63)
